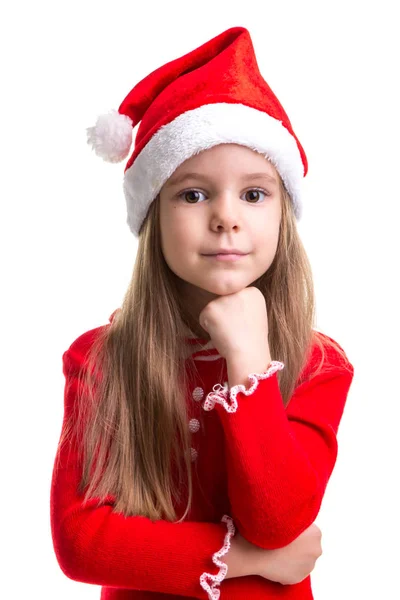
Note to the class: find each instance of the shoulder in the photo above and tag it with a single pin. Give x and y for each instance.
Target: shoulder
(76, 354)
(332, 349)
(326, 356)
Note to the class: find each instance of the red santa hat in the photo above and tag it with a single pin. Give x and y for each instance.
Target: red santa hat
(212, 95)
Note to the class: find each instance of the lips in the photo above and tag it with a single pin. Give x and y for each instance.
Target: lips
(225, 257)
(230, 252)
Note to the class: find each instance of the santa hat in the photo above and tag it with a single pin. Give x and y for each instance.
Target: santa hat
(215, 94)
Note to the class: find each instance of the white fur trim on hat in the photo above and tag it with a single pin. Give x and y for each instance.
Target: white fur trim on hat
(111, 137)
(200, 129)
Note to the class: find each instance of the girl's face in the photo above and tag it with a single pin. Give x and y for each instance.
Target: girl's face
(230, 198)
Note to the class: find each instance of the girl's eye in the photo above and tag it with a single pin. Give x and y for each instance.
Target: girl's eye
(189, 192)
(257, 192)
(253, 199)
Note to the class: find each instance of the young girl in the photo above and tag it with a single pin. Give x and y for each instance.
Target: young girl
(200, 425)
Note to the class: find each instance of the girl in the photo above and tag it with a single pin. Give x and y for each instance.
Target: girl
(200, 425)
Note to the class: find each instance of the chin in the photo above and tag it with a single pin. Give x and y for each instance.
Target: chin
(222, 288)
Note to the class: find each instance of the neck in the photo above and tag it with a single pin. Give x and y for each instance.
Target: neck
(195, 329)
(193, 301)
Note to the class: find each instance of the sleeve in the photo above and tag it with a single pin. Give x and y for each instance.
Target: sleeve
(94, 545)
(279, 460)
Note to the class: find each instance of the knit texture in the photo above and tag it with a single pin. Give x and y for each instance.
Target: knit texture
(262, 468)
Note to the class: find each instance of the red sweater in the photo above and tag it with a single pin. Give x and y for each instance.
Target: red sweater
(262, 469)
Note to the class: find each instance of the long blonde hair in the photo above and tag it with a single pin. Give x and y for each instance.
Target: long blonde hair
(129, 421)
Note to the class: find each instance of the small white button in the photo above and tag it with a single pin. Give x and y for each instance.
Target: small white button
(193, 454)
(194, 425)
(198, 394)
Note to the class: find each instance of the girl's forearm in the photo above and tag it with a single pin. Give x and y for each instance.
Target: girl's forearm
(242, 558)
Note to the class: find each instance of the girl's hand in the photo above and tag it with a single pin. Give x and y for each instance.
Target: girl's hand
(294, 562)
(237, 323)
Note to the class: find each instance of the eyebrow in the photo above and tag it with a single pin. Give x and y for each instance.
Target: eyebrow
(249, 176)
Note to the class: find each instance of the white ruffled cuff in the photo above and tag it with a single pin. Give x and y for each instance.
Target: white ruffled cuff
(210, 583)
(222, 394)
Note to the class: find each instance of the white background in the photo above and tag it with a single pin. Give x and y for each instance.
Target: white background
(67, 253)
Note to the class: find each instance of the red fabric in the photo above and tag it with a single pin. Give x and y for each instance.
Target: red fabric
(179, 86)
(265, 466)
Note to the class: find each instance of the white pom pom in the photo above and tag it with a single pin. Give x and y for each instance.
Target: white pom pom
(111, 137)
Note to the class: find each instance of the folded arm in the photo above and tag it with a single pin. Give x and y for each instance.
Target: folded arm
(279, 460)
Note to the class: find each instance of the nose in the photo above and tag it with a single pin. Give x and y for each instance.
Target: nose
(225, 210)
